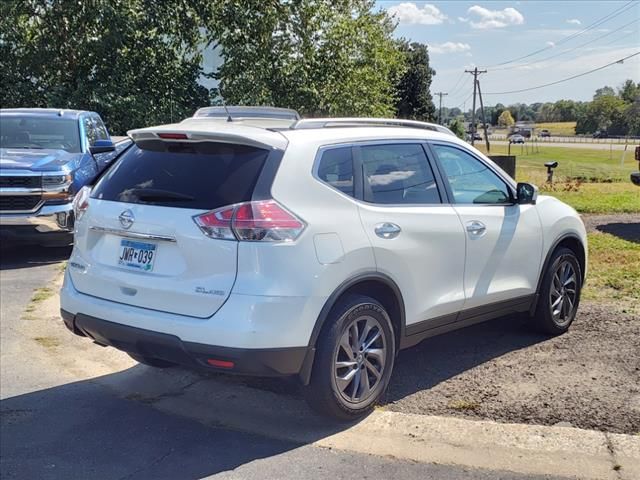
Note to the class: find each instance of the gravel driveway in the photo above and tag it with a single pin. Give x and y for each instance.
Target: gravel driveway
(501, 370)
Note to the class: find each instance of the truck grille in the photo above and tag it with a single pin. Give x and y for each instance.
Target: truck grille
(18, 202)
(34, 181)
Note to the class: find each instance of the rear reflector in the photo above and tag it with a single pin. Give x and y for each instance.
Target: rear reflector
(173, 136)
(220, 363)
(259, 221)
(81, 202)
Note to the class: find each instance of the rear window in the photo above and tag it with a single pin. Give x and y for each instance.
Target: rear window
(199, 176)
(336, 169)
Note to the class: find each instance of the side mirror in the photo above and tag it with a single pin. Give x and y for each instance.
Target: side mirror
(102, 146)
(527, 193)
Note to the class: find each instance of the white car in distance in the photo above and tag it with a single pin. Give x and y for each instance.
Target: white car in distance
(318, 248)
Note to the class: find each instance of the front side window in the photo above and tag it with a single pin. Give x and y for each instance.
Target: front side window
(336, 169)
(89, 130)
(101, 130)
(471, 181)
(398, 174)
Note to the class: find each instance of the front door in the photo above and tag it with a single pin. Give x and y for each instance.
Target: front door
(417, 239)
(503, 239)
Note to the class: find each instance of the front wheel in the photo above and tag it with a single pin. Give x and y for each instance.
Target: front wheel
(559, 293)
(354, 359)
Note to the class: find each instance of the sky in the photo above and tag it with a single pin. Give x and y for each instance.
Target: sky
(494, 35)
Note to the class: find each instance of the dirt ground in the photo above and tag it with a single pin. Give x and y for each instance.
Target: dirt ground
(503, 371)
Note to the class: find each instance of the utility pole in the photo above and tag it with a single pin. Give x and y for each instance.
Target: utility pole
(440, 94)
(484, 121)
(475, 72)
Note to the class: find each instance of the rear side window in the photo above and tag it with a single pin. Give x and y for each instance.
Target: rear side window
(398, 174)
(199, 175)
(336, 169)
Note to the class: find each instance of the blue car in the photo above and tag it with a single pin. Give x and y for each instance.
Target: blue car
(46, 157)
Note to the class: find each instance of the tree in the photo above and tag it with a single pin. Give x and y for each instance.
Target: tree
(318, 56)
(506, 119)
(457, 127)
(414, 96)
(137, 62)
(605, 91)
(605, 113)
(629, 91)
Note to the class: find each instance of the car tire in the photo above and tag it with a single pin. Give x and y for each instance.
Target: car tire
(151, 362)
(351, 369)
(559, 294)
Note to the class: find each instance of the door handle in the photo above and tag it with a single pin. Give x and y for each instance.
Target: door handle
(476, 228)
(387, 230)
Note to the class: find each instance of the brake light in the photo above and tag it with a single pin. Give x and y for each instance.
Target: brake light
(263, 221)
(217, 223)
(173, 136)
(81, 202)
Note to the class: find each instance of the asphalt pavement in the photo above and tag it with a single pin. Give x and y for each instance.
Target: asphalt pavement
(55, 426)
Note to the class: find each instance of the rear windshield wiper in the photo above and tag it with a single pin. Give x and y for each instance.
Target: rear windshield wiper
(158, 195)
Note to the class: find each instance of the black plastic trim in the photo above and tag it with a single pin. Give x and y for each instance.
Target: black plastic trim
(446, 323)
(248, 361)
(262, 190)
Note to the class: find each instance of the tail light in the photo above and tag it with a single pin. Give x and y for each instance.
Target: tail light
(260, 221)
(81, 202)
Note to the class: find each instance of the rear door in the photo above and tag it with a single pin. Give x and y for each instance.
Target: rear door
(138, 244)
(417, 239)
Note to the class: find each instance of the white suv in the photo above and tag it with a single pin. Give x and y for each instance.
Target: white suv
(313, 250)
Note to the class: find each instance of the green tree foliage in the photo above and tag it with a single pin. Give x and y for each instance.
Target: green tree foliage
(414, 96)
(611, 113)
(137, 62)
(505, 119)
(320, 57)
(457, 127)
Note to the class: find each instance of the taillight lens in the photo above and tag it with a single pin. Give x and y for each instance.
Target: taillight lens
(81, 202)
(260, 221)
(217, 223)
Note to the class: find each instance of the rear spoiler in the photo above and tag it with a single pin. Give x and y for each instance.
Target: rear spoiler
(211, 132)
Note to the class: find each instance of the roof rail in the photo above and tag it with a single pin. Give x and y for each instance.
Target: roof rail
(367, 122)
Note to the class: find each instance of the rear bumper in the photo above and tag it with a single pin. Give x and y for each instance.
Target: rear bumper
(50, 218)
(260, 362)
(635, 178)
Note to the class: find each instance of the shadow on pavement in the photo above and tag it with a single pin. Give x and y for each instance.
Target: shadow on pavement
(625, 231)
(14, 256)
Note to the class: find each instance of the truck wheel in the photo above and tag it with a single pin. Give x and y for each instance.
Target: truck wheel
(354, 359)
(559, 293)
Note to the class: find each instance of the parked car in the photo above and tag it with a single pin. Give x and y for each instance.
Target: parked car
(544, 133)
(476, 136)
(313, 251)
(46, 157)
(601, 134)
(516, 138)
(635, 176)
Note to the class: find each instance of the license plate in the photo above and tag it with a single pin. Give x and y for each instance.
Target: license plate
(137, 255)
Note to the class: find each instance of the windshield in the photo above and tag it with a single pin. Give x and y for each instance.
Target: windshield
(36, 132)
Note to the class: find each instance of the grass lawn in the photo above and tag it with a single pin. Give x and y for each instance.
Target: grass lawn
(600, 197)
(558, 128)
(590, 164)
(614, 271)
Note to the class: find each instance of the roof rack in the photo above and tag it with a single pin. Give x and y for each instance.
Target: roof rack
(367, 122)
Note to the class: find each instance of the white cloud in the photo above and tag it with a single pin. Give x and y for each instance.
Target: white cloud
(410, 13)
(550, 44)
(574, 21)
(494, 18)
(449, 47)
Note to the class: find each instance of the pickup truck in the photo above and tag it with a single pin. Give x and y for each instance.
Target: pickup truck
(46, 157)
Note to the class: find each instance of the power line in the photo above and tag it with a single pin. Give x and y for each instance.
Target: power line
(464, 101)
(565, 79)
(595, 24)
(458, 82)
(620, 38)
(569, 50)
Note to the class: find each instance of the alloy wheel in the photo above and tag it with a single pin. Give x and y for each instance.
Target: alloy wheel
(563, 293)
(360, 359)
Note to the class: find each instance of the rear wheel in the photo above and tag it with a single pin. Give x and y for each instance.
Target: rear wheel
(559, 293)
(354, 359)
(151, 362)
